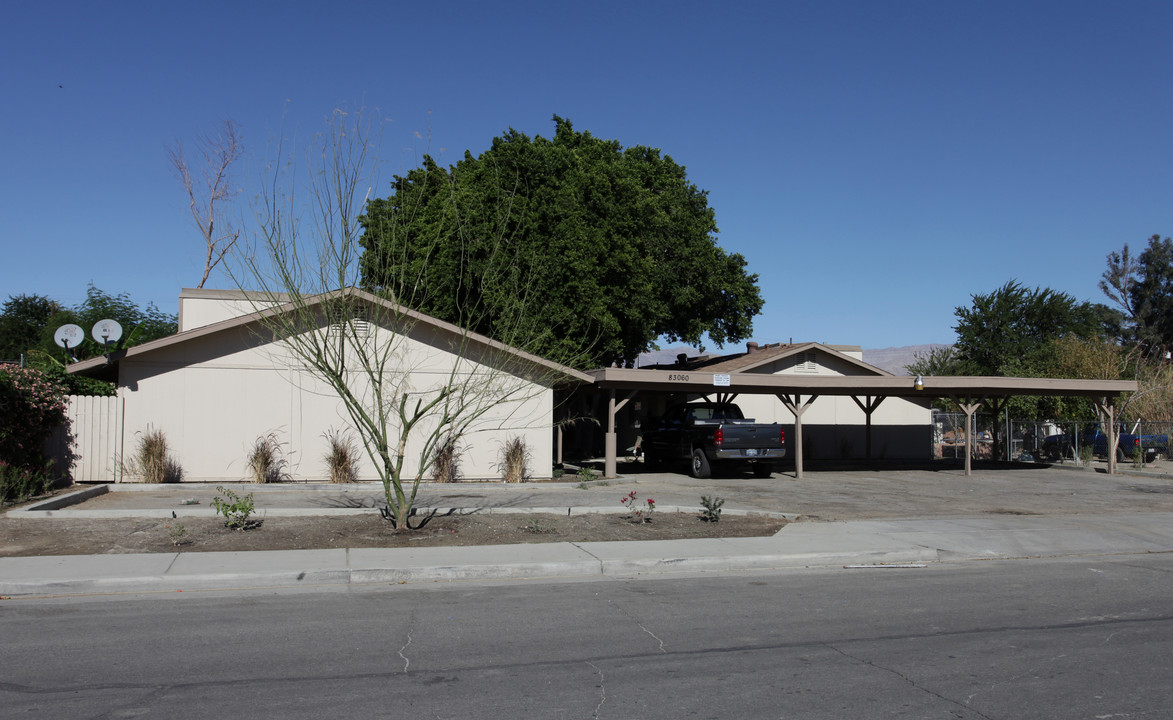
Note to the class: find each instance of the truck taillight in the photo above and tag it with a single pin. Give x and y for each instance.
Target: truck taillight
(1136, 441)
(782, 437)
(718, 437)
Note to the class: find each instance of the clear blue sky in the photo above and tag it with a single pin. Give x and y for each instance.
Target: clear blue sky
(876, 162)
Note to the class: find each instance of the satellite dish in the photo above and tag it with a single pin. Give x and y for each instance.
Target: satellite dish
(107, 331)
(69, 336)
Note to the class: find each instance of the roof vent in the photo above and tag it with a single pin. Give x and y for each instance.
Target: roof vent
(751, 348)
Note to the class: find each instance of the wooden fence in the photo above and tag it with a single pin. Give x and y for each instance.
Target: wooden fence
(91, 441)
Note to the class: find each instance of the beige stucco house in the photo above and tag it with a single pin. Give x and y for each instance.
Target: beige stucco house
(224, 380)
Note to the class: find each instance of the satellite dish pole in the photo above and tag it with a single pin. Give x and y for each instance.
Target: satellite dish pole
(106, 332)
(69, 336)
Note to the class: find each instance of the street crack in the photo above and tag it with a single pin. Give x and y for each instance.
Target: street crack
(406, 661)
(602, 690)
(908, 680)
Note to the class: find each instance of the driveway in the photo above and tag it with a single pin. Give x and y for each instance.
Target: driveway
(897, 493)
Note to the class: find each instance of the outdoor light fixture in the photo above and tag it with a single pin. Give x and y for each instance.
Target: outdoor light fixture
(920, 382)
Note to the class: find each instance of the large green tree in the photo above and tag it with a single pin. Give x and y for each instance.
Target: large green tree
(22, 322)
(616, 245)
(1142, 287)
(1008, 331)
(1014, 332)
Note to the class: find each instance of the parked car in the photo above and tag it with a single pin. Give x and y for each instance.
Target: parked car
(1057, 447)
(709, 435)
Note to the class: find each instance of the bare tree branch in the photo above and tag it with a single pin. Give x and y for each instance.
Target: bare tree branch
(219, 151)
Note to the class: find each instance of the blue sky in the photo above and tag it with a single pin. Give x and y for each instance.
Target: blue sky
(877, 163)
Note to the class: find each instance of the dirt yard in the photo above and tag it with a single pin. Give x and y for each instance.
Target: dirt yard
(27, 537)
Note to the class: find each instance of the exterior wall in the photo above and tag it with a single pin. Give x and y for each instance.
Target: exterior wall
(214, 396)
(199, 307)
(834, 427)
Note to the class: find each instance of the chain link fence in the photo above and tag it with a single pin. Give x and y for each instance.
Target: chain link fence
(1049, 442)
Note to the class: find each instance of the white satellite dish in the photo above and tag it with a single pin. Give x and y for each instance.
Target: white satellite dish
(107, 331)
(69, 336)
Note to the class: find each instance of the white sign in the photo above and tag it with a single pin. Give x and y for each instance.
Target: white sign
(720, 380)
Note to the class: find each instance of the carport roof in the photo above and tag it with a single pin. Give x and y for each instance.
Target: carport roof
(703, 382)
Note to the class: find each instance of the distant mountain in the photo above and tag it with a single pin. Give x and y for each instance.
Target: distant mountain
(895, 358)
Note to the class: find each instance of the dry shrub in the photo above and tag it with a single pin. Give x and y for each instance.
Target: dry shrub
(446, 461)
(341, 456)
(515, 460)
(151, 462)
(266, 462)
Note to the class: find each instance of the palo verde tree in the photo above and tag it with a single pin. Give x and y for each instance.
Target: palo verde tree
(407, 386)
(616, 247)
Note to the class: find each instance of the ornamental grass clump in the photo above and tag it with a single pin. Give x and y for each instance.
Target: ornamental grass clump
(266, 461)
(151, 462)
(446, 461)
(515, 461)
(341, 456)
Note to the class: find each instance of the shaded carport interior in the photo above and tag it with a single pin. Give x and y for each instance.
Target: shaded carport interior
(798, 392)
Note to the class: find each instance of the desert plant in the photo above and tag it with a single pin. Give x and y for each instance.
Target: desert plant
(712, 508)
(266, 461)
(1138, 457)
(21, 483)
(515, 459)
(178, 535)
(151, 462)
(586, 474)
(1086, 455)
(341, 456)
(236, 509)
(446, 461)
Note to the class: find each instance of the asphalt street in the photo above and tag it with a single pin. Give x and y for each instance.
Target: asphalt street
(1072, 638)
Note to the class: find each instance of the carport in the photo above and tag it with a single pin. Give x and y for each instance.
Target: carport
(798, 393)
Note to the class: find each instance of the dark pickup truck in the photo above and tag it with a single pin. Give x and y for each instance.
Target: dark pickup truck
(1056, 447)
(711, 434)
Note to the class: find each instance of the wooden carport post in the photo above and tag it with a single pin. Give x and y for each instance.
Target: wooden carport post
(1107, 408)
(795, 405)
(969, 407)
(610, 463)
(868, 406)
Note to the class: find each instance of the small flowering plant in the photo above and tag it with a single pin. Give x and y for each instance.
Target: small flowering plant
(638, 514)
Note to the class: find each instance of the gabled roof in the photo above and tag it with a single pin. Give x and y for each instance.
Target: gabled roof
(101, 364)
(750, 361)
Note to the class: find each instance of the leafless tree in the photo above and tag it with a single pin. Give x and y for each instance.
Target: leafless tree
(211, 191)
(406, 383)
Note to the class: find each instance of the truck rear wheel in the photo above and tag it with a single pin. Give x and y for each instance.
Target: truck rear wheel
(700, 464)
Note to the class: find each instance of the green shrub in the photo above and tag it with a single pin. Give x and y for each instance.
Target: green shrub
(586, 474)
(712, 508)
(20, 483)
(236, 509)
(32, 406)
(1086, 455)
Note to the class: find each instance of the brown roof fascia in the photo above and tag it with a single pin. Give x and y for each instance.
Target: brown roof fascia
(89, 366)
(702, 382)
(752, 360)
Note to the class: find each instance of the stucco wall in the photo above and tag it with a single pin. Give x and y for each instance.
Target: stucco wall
(213, 396)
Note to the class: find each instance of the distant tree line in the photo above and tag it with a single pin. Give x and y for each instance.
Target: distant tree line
(1016, 331)
(28, 322)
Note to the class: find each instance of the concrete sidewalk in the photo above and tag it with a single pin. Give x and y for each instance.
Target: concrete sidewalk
(867, 543)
